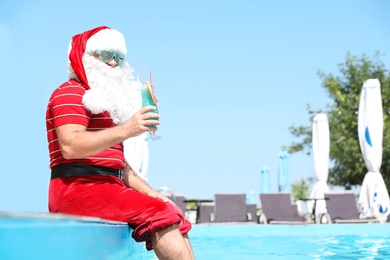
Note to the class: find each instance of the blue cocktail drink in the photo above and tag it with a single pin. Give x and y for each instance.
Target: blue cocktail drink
(149, 99)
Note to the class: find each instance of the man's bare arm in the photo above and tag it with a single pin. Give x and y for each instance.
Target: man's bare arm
(132, 180)
(76, 142)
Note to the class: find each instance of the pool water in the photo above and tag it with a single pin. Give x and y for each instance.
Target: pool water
(252, 241)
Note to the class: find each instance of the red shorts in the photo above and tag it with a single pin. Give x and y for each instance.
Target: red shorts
(107, 197)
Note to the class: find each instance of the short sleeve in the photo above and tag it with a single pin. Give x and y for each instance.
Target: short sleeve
(67, 106)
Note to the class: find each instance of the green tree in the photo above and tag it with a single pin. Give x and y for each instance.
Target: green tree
(348, 168)
(301, 189)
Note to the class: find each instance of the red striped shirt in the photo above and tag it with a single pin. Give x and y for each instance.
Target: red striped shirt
(66, 107)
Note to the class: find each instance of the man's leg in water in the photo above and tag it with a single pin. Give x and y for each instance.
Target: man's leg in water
(169, 244)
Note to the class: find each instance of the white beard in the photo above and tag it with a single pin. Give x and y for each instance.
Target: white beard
(113, 89)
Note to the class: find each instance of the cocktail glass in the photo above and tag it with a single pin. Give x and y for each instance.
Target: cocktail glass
(149, 99)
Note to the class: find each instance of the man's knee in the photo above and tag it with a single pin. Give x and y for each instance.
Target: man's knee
(172, 228)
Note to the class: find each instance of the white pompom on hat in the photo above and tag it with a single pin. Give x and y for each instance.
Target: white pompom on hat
(107, 40)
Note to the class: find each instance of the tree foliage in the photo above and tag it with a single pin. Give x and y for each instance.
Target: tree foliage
(300, 189)
(348, 168)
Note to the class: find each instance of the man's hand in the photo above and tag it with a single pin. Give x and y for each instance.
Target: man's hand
(159, 195)
(76, 142)
(132, 180)
(142, 121)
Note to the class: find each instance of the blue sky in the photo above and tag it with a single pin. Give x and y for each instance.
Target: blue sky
(231, 77)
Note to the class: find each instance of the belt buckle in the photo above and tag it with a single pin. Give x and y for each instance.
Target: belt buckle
(120, 174)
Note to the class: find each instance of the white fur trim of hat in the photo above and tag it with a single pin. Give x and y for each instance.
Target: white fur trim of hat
(107, 40)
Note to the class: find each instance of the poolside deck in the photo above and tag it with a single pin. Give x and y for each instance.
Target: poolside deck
(25, 235)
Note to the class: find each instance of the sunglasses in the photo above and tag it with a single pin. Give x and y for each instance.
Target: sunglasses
(107, 56)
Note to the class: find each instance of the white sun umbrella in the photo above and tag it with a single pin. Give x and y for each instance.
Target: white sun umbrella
(373, 199)
(321, 147)
(136, 151)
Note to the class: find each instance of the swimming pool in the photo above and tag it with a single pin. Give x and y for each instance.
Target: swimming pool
(251, 241)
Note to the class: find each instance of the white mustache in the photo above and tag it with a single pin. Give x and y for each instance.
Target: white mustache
(113, 89)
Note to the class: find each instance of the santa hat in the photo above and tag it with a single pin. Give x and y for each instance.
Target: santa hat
(99, 38)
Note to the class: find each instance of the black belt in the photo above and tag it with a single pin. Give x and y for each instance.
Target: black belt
(80, 169)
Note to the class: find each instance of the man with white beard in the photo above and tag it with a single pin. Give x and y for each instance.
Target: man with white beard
(87, 119)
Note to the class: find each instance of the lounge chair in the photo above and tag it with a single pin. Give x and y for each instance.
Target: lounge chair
(205, 212)
(251, 210)
(230, 208)
(277, 209)
(342, 208)
(179, 201)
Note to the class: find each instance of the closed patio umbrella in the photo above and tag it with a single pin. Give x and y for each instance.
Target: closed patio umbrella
(321, 147)
(283, 176)
(264, 180)
(374, 198)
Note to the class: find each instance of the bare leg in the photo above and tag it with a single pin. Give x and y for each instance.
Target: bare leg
(187, 240)
(169, 244)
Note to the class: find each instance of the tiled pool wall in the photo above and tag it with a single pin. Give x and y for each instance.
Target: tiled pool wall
(57, 236)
